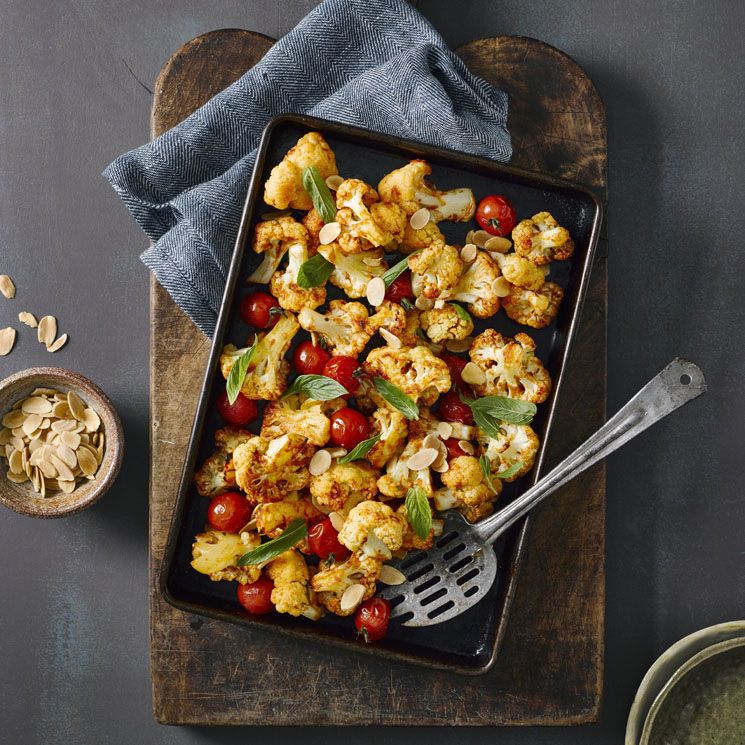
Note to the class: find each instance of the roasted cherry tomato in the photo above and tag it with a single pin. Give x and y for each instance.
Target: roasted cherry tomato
(242, 411)
(349, 428)
(323, 540)
(256, 597)
(229, 511)
(455, 365)
(452, 409)
(342, 370)
(310, 359)
(400, 288)
(256, 310)
(454, 449)
(496, 215)
(371, 619)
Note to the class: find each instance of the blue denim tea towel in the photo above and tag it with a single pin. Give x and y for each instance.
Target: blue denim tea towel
(373, 63)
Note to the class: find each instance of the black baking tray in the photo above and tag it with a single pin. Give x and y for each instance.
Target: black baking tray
(469, 643)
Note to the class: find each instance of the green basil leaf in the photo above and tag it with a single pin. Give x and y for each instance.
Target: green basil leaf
(317, 387)
(396, 398)
(398, 269)
(419, 511)
(320, 193)
(462, 312)
(490, 411)
(359, 451)
(485, 464)
(238, 373)
(508, 473)
(314, 272)
(406, 304)
(292, 535)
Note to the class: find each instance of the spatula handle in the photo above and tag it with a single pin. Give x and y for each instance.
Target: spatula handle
(680, 382)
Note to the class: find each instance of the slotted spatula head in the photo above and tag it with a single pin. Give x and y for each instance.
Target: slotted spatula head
(445, 580)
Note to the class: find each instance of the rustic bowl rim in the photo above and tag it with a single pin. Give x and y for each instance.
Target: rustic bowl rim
(49, 377)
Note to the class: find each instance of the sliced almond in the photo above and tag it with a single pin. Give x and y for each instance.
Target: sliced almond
(61, 410)
(77, 407)
(58, 344)
(66, 454)
(87, 461)
(5, 436)
(17, 478)
(473, 374)
(480, 237)
(375, 291)
(15, 461)
(68, 487)
(31, 424)
(391, 339)
(468, 252)
(48, 469)
(64, 425)
(329, 233)
(63, 470)
(391, 576)
(333, 182)
(459, 345)
(319, 463)
(431, 441)
(445, 430)
(498, 243)
(423, 303)
(441, 466)
(420, 218)
(466, 447)
(91, 420)
(47, 331)
(70, 440)
(7, 340)
(501, 287)
(422, 459)
(351, 597)
(337, 521)
(28, 318)
(14, 419)
(7, 287)
(36, 405)
(337, 452)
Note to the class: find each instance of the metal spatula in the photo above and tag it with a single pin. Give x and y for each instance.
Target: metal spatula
(460, 568)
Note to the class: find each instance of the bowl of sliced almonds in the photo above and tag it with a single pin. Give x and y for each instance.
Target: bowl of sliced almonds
(61, 442)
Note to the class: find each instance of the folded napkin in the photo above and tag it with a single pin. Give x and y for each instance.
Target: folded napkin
(372, 63)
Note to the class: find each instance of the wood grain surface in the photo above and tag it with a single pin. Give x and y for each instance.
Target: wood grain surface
(551, 665)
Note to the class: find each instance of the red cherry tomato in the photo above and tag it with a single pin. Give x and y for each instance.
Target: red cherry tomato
(349, 428)
(342, 370)
(256, 310)
(400, 288)
(371, 619)
(455, 365)
(242, 411)
(256, 597)
(323, 541)
(310, 359)
(454, 449)
(496, 215)
(452, 409)
(229, 512)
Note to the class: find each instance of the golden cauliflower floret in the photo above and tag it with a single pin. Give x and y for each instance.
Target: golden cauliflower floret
(391, 219)
(447, 323)
(393, 428)
(332, 579)
(299, 415)
(428, 423)
(516, 444)
(411, 541)
(435, 270)
(414, 240)
(268, 470)
(272, 518)
(542, 240)
(510, 366)
(408, 187)
(272, 239)
(292, 593)
(217, 473)
(333, 488)
(216, 554)
(353, 271)
(465, 489)
(343, 327)
(476, 286)
(414, 370)
(313, 222)
(399, 478)
(267, 371)
(374, 529)
(535, 309)
(284, 283)
(390, 316)
(284, 187)
(520, 271)
(364, 225)
(409, 335)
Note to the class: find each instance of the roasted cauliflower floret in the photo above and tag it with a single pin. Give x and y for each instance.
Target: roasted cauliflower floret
(392, 426)
(272, 518)
(411, 541)
(465, 489)
(409, 335)
(446, 323)
(390, 316)
(520, 271)
(273, 238)
(399, 478)
(298, 415)
(392, 220)
(476, 286)
(216, 554)
(414, 370)
(542, 240)
(408, 187)
(313, 222)
(435, 270)
(268, 470)
(354, 200)
(535, 309)
(332, 579)
(284, 187)
(517, 443)
(217, 473)
(343, 327)
(510, 366)
(414, 240)
(284, 285)
(353, 271)
(266, 374)
(292, 593)
(373, 529)
(333, 488)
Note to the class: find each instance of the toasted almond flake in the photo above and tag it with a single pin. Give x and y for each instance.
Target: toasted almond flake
(334, 181)
(468, 252)
(34, 446)
(329, 233)
(87, 461)
(61, 410)
(465, 446)
(66, 454)
(473, 374)
(431, 441)
(36, 405)
(319, 463)
(31, 424)
(337, 520)
(391, 339)
(42, 486)
(459, 345)
(423, 303)
(469, 236)
(47, 330)
(480, 237)
(48, 469)
(422, 459)
(58, 344)
(7, 287)
(441, 466)
(420, 218)
(91, 450)
(7, 340)
(28, 318)
(17, 478)
(92, 420)
(63, 470)
(391, 576)
(15, 461)
(375, 291)
(337, 452)
(352, 597)
(445, 430)
(14, 419)
(70, 440)
(501, 287)
(64, 425)
(77, 407)
(68, 487)
(498, 243)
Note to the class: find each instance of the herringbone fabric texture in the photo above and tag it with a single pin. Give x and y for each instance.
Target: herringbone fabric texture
(373, 63)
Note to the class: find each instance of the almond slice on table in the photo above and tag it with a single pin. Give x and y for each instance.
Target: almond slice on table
(319, 463)
(7, 340)
(7, 288)
(422, 459)
(391, 576)
(420, 218)
(498, 243)
(468, 252)
(352, 597)
(501, 286)
(473, 374)
(466, 446)
(329, 233)
(56, 345)
(480, 237)
(28, 318)
(333, 182)
(431, 441)
(47, 330)
(375, 292)
(445, 430)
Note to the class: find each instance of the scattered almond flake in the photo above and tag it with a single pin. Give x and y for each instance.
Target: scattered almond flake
(333, 182)
(64, 425)
(445, 430)
(469, 236)
(31, 424)
(498, 243)
(466, 447)
(13, 419)
(58, 344)
(463, 431)
(469, 252)
(68, 487)
(61, 410)
(337, 452)
(70, 440)
(480, 237)
(501, 287)
(351, 597)
(473, 374)
(337, 521)
(319, 463)
(459, 345)
(67, 454)
(391, 339)
(391, 576)
(15, 461)
(423, 303)
(422, 459)
(329, 233)
(77, 407)
(7, 340)
(375, 292)
(28, 318)
(91, 420)
(441, 466)
(63, 470)
(431, 441)
(87, 461)
(7, 287)
(420, 218)
(17, 478)
(47, 330)
(36, 405)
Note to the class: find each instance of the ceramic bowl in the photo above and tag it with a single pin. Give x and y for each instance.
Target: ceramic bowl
(21, 497)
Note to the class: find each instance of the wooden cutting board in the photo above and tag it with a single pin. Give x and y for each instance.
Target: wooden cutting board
(550, 669)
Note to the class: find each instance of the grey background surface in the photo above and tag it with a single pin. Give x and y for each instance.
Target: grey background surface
(74, 93)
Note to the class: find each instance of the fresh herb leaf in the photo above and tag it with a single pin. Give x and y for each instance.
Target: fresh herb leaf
(485, 464)
(396, 398)
(359, 451)
(508, 473)
(396, 271)
(419, 511)
(317, 387)
(293, 534)
(238, 373)
(320, 193)
(462, 312)
(407, 304)
(314, 272)
(490, 411)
